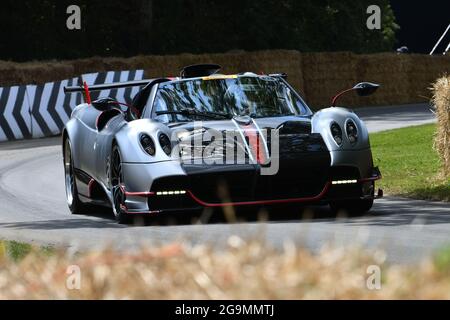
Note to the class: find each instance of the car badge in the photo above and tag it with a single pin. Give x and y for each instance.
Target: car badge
(245, 120)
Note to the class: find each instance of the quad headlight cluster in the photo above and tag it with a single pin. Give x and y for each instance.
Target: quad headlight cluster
(350, 130)
(148, 144)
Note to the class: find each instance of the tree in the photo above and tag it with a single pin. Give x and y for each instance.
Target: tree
(37, 29)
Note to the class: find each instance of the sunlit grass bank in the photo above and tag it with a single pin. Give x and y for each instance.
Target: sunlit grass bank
(409, 164)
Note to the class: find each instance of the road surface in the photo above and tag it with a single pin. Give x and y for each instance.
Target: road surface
(393, 117)
(33, 209)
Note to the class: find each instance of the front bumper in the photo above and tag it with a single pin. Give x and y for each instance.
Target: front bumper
(189, 192)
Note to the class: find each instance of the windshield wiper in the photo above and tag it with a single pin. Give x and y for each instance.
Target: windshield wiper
(195, 112)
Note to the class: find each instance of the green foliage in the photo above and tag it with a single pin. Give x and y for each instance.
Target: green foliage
(17, 250)
(37, 29)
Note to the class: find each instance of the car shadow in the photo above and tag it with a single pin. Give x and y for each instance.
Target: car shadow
(101, 218)
(386, 212)
(231, 215)
(402, 211)
(83, 222)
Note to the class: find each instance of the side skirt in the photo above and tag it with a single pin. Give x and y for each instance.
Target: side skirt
(90, 191)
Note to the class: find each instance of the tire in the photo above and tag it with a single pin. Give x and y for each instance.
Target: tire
(352, 207)
(116, 179)
(73, 200)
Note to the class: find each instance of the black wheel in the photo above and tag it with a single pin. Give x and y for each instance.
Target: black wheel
(117, 192)
(73, 201)
(352, 207)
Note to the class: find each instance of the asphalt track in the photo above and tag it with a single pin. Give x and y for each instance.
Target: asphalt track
(33, 209)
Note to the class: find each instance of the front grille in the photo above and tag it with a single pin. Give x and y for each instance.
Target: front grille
(297, 177)
(177, 202)
(344, 173)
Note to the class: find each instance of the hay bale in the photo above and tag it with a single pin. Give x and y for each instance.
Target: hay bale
(441, 99)
(33, 72)
(317, 76)
(389, 70)
(326, 74)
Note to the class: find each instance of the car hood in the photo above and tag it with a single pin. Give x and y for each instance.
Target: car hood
(298, 124)
(255, 137)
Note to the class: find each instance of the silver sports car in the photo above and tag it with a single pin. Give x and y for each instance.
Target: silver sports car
(206, 139)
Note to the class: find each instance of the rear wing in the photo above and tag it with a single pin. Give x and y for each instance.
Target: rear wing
(85, 89)
(108, 86)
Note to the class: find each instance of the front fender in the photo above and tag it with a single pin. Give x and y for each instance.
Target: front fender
(322, 120)
(130, 147)
(358, 155)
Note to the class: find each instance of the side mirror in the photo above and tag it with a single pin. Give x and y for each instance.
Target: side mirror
(104, 104)
(363, 89)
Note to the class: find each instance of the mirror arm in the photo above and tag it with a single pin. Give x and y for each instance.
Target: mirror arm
(336, 97)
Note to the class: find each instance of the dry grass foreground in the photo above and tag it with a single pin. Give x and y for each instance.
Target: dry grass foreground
(240, 271)
(318, 76)
(441, 99)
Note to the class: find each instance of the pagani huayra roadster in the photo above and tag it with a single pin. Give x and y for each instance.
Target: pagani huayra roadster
(206, 139)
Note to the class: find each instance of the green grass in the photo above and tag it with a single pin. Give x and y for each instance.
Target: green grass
(442, 259)
(408, 163)
(18, 250)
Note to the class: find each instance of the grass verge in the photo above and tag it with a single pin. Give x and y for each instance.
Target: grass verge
(16, 251)
(409, 164)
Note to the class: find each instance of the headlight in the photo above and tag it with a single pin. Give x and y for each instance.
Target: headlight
(147, 144)
(352, 131)
(336, 132)
(165, 143)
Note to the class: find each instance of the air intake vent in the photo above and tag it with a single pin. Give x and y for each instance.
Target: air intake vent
(199, 70)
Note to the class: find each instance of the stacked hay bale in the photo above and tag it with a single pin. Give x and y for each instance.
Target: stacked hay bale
(389, 70)
(273, 61)
(425, 69)
(317, 76)
(233, 62)
(12, 73)
(326, 74)
(441, 99)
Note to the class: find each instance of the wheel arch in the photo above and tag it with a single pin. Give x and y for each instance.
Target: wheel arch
(69, 132)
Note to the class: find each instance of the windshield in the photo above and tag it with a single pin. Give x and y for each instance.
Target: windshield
(224, 98)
